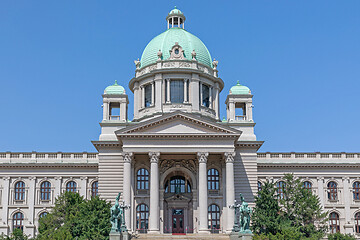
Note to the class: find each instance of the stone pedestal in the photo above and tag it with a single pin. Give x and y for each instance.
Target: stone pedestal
(125, 236)
(115, 236)
(241, 236)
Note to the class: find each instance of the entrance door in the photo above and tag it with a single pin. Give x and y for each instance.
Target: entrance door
(178, 221)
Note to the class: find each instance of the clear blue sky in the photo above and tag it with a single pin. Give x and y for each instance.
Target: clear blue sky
(301, 59)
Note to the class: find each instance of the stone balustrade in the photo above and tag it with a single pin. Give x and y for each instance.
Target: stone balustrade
(48, 157)
(314, 155)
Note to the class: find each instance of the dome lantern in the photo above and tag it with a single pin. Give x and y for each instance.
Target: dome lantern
(175, 18)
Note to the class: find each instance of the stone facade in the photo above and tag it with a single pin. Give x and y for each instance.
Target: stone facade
(176, 163)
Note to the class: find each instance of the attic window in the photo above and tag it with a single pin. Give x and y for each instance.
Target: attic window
(176, 51)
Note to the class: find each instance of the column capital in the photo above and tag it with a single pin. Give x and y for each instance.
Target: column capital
(229, 157)
(202, 157)
(154, 157)
(128, 156)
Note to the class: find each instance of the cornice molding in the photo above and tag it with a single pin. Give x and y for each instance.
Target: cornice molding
(111, 144)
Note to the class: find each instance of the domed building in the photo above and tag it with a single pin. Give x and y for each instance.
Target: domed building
(177, 164)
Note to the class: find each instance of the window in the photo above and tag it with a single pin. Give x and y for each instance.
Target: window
(142, 218)
(43, 214)
(259, 186)
(18, 221)
(205, 101)
(332, 191)
(280, 189)
(177, 91)
(148, 95)
(213, 179)
(142, 179)
(20, 191)
(45, 191)
(357, 222)
(214, 218)
(94, 189)
(356, 190)
(334, 222)
(71, 186)
(307, 185)
(177, 184)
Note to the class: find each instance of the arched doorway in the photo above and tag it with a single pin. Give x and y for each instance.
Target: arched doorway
(178, 204)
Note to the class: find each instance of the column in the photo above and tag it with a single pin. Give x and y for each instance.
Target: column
(168, 91)
(232, 111)
(152, 94)
(321, 190)
(5, 205)
(158, 92)
(31, 204)
(154, 193)
(347, 202)
(194, 92)
(142, 96)
(105, 111)
(216, 101)
(201, 95)
(127, 158)
(136, 100)
(185, 91)
(210, 97)
(203, 193)
(230, 189)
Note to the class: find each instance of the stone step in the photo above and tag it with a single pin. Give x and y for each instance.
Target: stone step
(182, 237)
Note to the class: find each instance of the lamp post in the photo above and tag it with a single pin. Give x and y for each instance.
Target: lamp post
(123, 207)
(236, 223)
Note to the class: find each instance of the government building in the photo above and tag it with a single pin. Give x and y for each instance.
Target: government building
(176, 163)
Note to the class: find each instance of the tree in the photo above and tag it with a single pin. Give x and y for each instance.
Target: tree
(296, 214)
(73, 217)
(17, 234)
(339, 236)
(266, 217)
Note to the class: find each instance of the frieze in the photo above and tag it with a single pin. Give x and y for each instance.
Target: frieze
(184, 65)
(189, 164)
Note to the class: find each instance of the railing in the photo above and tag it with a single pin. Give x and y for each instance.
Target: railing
(114, 117)
(239, 118)
(41, 157)
(317, 155)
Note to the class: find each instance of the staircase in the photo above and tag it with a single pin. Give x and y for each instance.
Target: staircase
(181, 237)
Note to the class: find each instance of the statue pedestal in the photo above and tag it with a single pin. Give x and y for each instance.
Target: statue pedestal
(241, 236)
(125, 235)
(115, 236)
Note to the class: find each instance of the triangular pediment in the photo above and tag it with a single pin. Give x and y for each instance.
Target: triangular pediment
(178, 123)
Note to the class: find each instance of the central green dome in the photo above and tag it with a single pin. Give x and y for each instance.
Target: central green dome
(166, 40)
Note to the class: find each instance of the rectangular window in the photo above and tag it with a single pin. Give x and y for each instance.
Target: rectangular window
(177, 91)
(148, 95)
(205, 96)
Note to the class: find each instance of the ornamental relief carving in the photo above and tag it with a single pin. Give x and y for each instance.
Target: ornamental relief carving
(169, 65)
(184, 65)
(189, 164)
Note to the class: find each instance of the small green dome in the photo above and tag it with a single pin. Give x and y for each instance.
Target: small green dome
(114, 89)
(175, 11)
(166, 40)
(239, 89)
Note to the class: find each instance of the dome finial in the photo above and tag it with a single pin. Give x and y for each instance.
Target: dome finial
(175, 18)
(238, 83)
(116, 82)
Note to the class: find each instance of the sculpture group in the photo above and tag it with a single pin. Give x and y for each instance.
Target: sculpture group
(242, 216)
(117, 219)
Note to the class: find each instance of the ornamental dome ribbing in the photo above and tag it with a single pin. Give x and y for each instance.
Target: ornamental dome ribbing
(239, 89)
(175, 34)
(114, 89)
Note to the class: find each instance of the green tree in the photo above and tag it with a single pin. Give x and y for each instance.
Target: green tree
(266, 217)
(17, 234)
(339, 236)
(73, 217)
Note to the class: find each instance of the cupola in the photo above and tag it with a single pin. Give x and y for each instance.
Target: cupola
(115, 103)
(239, 104)
(239, 89)
(175, 18)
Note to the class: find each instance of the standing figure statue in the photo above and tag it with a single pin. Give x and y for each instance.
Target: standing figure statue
(244, 217)
(116, 215)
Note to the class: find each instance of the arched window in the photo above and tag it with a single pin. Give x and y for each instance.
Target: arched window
(280, 189)
(45, 191)
(307, 185)
(142, 218)
(259, 186)
(142, 179)
(356, 190)
(20, 190)
(213, 179)
(177, 184)
(18, 221)
(94, 189)
(71, 186)
(334, 222)
(332, 191)
(43, 214)
(214, 218)
(357, 222)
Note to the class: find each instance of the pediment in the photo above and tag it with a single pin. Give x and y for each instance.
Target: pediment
(178, 124)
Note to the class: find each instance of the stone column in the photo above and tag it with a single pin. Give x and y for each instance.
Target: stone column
(127, 158)
(168, 91)
(185, 91)
(347, 202)
(158, 92)
(232, 111)
(194, 92)
(216, 101)
(152, 94)
(230, 189)
(210, 97)
(31, 204)
(142, 96)
(5, 205)
(154, 193)
(203, 193)
(105, 111)
(321, 190)
(136, 100)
